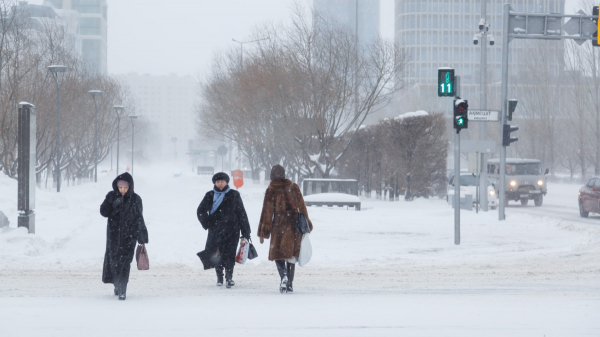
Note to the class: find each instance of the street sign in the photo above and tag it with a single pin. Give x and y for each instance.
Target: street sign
(483, 115)
(481, 146)
(587, 26)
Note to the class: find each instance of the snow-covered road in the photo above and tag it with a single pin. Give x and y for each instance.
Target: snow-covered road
(559, 203)
(389, 269)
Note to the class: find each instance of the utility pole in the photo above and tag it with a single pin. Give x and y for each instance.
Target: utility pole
(483, 36)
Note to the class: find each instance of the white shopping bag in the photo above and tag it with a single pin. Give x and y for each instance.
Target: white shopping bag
(242, 255)
(305, 250)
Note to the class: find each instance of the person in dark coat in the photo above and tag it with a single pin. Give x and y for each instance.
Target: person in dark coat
(126, 225)
(222, 213)
(282, 202)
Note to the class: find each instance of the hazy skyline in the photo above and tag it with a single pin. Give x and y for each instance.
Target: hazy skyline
(181, 36)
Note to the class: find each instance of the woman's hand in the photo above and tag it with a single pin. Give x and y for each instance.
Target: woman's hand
(262, 240)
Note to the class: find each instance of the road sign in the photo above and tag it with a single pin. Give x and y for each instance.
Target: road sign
(587, 26)
(481, 146)
(222, 150)
(483, 115)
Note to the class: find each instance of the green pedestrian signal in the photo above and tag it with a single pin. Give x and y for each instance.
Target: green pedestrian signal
(446, 87)
(461, 111)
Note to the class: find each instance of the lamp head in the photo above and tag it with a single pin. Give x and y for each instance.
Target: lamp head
(96, 92)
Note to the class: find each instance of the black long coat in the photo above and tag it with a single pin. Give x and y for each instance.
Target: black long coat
(227, 222)
(125, 226)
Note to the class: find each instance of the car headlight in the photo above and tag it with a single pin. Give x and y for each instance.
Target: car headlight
(492, 193)
(513, 183)
(540, 182)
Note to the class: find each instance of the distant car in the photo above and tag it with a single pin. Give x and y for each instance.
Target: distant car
(589, 197)
(468, 183)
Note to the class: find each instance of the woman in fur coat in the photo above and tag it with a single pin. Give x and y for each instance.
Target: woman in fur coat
(282, 202)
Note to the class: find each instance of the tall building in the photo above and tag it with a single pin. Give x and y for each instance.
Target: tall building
(439, 33)
(92, 21)
(361, 16)
(167, 103)
(41, 16)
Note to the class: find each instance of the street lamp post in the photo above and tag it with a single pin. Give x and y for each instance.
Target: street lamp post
(55, 70)
(242, 47)
(118, 110)
(133, 118)
(95, 93)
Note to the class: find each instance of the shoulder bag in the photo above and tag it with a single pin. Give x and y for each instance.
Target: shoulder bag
(301, 222)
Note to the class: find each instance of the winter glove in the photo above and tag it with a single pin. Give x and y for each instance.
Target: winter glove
(117, 202)
(262, 240)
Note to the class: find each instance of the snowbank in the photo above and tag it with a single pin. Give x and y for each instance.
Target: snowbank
(331, 197)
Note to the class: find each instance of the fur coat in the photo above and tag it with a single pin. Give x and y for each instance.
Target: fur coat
(278, 219)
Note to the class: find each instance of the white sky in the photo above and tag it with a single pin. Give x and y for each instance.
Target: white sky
(160, 37)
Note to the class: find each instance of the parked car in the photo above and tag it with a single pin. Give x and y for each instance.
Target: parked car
(524, 180)
(469, 183)
(589, 197)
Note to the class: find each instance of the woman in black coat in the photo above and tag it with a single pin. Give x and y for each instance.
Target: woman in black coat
(222, 213)
(126, 225)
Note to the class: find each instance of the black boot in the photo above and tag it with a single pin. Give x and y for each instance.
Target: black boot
(229, 277)
(219, 271)
(116, 290)
(122, 290)
(291, 267)
(283, 274)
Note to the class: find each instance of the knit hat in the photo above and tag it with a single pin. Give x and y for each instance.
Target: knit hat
(122, 183)
(220, 176)
(277, 173)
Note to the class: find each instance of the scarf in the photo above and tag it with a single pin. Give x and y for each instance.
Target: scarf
(218, 198)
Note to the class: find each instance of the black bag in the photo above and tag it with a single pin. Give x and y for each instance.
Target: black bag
(252, 252)
(301, 222)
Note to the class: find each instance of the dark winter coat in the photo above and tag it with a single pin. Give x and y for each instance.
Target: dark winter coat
(226, 222)
(125, 226)
(278, 219)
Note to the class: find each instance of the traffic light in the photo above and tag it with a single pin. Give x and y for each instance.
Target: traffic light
(461, 109)
(596, 42)
(506, 130)
(512, 105)
(446, 87)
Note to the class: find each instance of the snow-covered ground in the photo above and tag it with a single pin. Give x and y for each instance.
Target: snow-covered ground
(390, 269)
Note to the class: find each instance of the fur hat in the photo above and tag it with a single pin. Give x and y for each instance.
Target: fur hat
(277, 173)
(220, 176)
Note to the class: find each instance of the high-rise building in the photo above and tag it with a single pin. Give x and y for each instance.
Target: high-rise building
(92, 21)
(439, 33)
(361, 16)
(167, 103)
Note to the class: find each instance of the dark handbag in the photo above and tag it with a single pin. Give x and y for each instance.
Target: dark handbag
(252, 252)
(301, 222)
(141, 257)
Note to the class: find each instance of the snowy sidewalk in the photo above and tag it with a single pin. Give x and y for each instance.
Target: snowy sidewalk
(390, 269)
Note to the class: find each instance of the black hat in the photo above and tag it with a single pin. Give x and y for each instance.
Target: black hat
(277, 173)
(220, 176)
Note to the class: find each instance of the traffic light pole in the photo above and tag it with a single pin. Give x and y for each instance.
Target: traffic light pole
(456, 185)
(504, 98)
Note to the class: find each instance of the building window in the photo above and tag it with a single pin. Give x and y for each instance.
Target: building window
(87, 6)
(90, 26)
